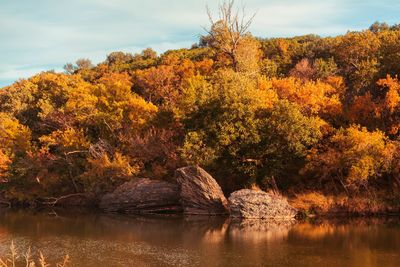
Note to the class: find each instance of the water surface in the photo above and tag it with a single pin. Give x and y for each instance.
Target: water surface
(115, 240)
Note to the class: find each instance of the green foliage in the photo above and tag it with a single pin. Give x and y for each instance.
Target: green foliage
(236, 129)
(325, 68)
(225, 114)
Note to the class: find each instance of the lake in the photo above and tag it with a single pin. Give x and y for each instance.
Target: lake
(92, 239)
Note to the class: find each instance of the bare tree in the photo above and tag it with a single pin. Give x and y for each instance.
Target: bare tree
(228, 30)
(80, 64)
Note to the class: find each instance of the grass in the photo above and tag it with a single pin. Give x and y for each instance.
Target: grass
(318, 204)
(27, 259)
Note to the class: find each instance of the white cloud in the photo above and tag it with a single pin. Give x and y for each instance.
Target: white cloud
(16, 73)
(45, 34)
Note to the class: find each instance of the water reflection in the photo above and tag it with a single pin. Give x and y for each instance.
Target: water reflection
(258, 231)
(115, 240)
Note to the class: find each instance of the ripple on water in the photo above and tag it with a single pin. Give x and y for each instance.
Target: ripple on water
(89, 252)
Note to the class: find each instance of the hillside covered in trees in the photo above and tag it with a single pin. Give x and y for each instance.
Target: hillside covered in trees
(309, 116)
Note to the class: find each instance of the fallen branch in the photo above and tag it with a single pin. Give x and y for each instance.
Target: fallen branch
(3, 202)
(52, 201)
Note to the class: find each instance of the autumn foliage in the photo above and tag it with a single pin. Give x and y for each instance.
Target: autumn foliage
(302, 113)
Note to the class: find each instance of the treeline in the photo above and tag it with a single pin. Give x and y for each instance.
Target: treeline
(297, 114)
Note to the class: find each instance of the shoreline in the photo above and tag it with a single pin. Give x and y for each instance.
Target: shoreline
(300, 217)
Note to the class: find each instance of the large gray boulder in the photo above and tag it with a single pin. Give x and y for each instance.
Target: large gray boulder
(143, 196)
(199, 192)
(252, 204)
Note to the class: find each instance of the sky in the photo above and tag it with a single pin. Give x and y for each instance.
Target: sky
(40, 35)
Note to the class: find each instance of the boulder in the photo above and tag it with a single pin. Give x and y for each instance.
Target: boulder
(199, 192)
(252, 204)
(143, 196)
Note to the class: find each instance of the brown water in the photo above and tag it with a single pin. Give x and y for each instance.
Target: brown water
(114, 240)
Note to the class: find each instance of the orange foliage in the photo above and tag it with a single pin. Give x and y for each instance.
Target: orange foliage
(381, 110)
(313, 97)
(364, 109)
(162, 84)
(392, 97)
(158, 83)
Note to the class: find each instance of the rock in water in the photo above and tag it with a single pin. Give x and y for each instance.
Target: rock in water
(143, 196)
(199, 192)
(252, 204)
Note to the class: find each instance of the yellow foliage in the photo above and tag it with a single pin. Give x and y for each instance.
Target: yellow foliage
(265, 92)
(68, 140)
(110, 102)
(104, 172)
(195, 92)
(118, 85)
(14, 137)
(353, 158)
(4, 164)
(362, 170)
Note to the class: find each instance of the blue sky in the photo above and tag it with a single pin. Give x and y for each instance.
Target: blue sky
(38, 35)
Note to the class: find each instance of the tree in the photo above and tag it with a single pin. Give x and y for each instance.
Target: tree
(379, 27)
(15, 138)
(5, 162)
(381, 110)
(149, 53)
(325, 68)
(237, 132)
(287, 136)
(109, 108)
(117, 58)
(389, 53)
(222, 123)
(105, 173)
(353, 158)
(158, 84)
(162, 84)
(313, 97)
(229, 37)
(82, 64)
(357, 55)
(303, 70)
(15, 144)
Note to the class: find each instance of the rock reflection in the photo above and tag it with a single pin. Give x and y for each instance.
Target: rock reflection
(256, 231)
